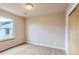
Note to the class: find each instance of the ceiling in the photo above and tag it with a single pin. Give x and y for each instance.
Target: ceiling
(38, 9)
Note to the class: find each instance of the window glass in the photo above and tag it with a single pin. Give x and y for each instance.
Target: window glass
(6, 29)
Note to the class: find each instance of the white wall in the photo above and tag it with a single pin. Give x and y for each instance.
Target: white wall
(46, 30)
(19, 28)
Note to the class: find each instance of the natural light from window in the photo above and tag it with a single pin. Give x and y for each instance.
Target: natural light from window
(6, 29)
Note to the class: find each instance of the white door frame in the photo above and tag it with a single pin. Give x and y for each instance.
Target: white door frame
(69, 10)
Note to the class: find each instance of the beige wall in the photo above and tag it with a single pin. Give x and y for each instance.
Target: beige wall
(46, 30)
(19, 28)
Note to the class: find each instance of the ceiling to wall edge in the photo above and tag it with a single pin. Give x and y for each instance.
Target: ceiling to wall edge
(30, 16)
(12, 13)
(46, 14)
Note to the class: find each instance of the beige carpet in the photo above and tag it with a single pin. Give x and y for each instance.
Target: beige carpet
(29, 49)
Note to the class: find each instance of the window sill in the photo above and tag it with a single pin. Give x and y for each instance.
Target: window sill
(8, 39)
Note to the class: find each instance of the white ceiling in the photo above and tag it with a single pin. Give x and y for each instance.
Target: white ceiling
(38, 9)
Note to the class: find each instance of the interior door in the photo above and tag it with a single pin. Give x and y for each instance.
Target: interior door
(74, 32)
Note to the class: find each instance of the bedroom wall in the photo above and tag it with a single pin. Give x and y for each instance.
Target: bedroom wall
(19, 29)
(46, 30)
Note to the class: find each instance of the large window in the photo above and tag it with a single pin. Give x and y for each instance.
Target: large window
(6, 29)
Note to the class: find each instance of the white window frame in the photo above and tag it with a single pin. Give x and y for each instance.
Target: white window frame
(13, 36)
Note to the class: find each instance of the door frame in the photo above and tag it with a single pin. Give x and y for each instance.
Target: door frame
(70, 9)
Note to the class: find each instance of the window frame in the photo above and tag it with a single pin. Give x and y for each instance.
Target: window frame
(13, 36)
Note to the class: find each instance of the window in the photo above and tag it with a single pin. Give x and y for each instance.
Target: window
(6, 29)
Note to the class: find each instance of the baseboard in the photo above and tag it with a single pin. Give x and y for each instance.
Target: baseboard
(12, 47)
(46, 45)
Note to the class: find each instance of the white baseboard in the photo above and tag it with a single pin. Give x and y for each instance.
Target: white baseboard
(46, 45)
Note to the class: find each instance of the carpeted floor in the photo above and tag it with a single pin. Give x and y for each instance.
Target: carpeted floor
(29, 49)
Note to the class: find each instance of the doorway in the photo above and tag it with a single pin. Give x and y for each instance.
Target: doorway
(73, 31)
